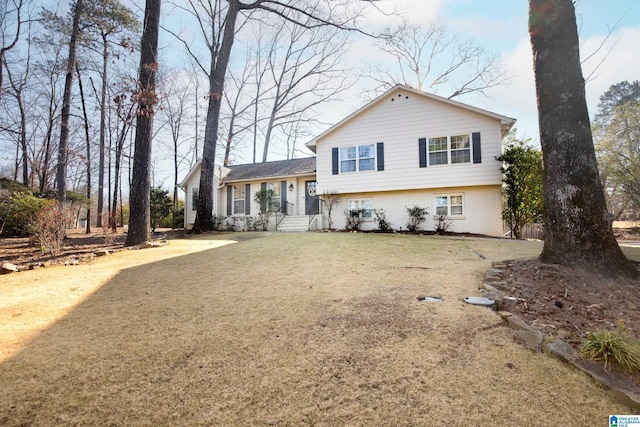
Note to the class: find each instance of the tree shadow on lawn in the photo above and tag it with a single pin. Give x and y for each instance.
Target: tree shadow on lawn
(200, 340)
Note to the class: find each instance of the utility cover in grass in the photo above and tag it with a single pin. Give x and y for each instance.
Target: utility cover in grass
(481, 301)
(430, 299)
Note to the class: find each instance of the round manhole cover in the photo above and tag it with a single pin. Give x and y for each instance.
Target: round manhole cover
(482, 301)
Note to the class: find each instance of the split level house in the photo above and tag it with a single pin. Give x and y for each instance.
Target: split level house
(405, 148)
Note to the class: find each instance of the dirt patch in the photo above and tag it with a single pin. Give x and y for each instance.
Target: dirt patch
(569, 302)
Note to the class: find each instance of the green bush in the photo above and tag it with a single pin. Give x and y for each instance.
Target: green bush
(18, 210)
(354, 218)
(417, 216)
(381, 220)
(613, 348)
(269, 203)
(175, 218)
(160, 206)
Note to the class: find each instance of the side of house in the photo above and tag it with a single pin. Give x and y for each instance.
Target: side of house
(409, 148)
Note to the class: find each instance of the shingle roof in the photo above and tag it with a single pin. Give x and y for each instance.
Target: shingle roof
(279, 168)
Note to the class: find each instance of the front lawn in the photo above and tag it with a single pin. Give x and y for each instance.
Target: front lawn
(279, 329)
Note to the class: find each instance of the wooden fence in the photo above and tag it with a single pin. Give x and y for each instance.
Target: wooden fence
(529, 231)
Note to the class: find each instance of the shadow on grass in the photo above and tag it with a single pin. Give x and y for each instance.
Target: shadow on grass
(113, 358)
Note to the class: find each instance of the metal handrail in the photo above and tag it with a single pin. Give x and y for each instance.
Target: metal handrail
(312, 216)
(284, 213)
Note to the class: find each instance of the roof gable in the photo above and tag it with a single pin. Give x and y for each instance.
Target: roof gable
(506, 122)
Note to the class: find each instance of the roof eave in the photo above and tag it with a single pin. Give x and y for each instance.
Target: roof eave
(259, 178)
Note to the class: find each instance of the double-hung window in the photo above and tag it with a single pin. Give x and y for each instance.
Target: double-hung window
(449, 205)
(238, 199)
(438, 151)
(445, 150)
(360, 158)
(366, 158)
(460, 149)
(365, 204)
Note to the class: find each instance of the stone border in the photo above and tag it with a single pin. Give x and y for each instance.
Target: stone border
(624, 390)
(9, 268)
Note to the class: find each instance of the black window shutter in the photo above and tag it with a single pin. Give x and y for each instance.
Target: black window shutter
(477, 151)
(380, 155)
(283, 197)
(334, 161)
(229, 200)
(422, 152)
(247, 199)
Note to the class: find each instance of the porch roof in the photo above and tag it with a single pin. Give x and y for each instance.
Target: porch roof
(275, 169)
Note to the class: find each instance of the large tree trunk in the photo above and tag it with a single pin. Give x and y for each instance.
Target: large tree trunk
(61, 172)
(140, 215)
(577, 231)
(204, 212)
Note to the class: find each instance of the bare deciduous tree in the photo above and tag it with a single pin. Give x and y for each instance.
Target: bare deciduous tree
(305, 71)
(112, 24)
(10, 25)
(176, 99)
(61, 172)
(428, 57)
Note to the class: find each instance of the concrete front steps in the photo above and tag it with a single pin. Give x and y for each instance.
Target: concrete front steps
(294, 223)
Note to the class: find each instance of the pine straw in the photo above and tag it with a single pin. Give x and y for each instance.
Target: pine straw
(278, 329)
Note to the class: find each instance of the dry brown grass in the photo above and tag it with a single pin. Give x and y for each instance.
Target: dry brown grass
(278, 329)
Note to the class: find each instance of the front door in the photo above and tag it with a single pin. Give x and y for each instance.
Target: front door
(311, 198)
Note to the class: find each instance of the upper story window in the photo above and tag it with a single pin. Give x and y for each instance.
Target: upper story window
(460, 149)
(360, 158)
(438, 151)
(445, 150)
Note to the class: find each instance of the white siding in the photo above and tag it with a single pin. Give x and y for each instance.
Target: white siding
(399, 124)
(189, 209)
(482, 209)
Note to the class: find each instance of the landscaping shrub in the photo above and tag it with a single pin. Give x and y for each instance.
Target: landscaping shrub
(49, 227)
(613, 347)
(354, 219)
(381, 220)
(441, 224)
(269, 203)
(18, 212)
(417, 216)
